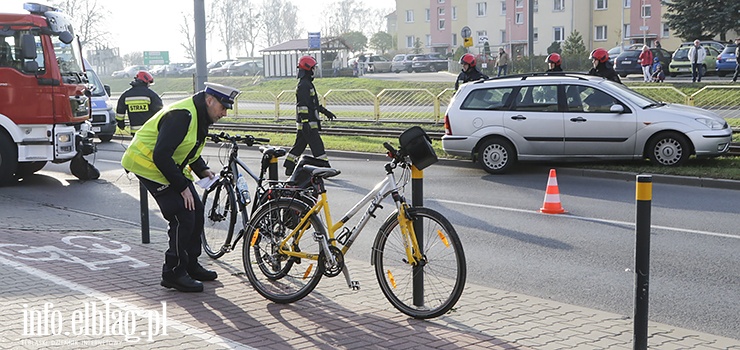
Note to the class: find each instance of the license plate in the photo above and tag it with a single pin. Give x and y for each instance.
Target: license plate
(626, 62)
(96, 129)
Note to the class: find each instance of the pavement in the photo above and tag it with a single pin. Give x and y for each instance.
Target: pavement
(93, 283)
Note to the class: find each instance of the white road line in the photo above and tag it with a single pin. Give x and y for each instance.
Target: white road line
(179, 326)
(625, 223)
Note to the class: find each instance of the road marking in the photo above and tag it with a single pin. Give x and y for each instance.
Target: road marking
(183, 328)
(605, 221)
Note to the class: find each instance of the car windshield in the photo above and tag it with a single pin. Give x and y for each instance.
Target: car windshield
(96, 86)
(729, 49)
(630, 54)
(681, 54)
(636, 98)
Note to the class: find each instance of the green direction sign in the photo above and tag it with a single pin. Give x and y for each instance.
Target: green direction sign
(156, 57)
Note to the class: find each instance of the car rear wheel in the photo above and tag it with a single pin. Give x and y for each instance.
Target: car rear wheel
(496, 155)
(668, 149)
(432, 68)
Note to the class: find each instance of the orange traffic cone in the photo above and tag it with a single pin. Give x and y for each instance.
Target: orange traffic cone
(552, 196)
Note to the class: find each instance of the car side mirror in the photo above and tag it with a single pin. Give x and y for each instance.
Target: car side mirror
(616, 109)
(107, 89)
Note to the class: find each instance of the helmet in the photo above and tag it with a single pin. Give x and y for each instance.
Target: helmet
(468, 58)
(553, 58)
(600, 55)
(306, 63)
(145, 77)
(656, 59)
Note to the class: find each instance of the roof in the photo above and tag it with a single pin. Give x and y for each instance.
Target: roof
(302, 45)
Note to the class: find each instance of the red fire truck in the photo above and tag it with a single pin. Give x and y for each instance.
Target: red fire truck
(44, 103)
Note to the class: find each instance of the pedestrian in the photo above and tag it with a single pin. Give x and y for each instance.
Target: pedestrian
(599, 58)
(139, 102)
(335, 65)
(502, 62)
(469, 71)
(646, 61)
(553, 61)
(307, 116)
(697, 54)
(657, 44)
(737, 60)
(658, 75)
(162, 155)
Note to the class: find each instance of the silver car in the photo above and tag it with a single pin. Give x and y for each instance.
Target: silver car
(574, 117)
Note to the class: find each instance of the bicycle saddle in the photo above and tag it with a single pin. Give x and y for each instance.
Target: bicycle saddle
(321, 172)
(273, 151)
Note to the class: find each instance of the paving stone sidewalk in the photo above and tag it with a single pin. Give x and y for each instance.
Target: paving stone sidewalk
(54, 278)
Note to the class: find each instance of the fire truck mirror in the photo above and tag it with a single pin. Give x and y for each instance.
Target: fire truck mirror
(28, 47)
(66, 37)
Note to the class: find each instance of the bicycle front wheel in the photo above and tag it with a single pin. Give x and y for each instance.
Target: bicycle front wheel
(431, 288)
(220, 218)
(277, 276)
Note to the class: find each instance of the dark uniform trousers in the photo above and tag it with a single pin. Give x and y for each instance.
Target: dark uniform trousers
(184, 238)
(309, 137)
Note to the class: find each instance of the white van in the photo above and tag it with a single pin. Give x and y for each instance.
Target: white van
(103, 113)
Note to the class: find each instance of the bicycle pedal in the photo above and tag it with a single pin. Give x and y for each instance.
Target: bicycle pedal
(355, 285)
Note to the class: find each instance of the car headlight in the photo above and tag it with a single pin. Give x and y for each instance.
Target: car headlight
(711, 123)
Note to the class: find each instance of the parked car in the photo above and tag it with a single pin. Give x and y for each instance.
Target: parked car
(726, 61)
(432, 62)
(244, 68)
(189, 70)
(614, 52)
(402, 62)
(628, 61)
(103, 115)
(128, 72)
(680, 63)
(378, 64)
(169, 70)
(538, 117)
(222, 69)
(715, 44)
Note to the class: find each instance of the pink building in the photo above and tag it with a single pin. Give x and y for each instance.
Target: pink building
(645, 23)
(440, 25)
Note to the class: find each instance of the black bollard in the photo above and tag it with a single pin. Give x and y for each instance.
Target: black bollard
(417, 200)
(144, 212)
(644, 196)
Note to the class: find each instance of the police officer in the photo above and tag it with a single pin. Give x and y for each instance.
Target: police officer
(162, 155)
(307, 116)
(553, 61)
(139, 102)
(599, 58)
(469, 71)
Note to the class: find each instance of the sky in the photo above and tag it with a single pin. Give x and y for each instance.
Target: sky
(147, 25)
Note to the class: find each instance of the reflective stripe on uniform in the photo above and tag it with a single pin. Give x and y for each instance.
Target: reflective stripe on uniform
(314, 125)
(120, 116)
(302, 109)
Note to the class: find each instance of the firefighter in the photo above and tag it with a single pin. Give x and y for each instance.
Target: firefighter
(162, 155)
(307, 116)
(599, 58)
(553, 61)
(469, 71)
(139, 102)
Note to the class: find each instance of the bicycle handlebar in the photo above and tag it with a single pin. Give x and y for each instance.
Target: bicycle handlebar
(249, 140)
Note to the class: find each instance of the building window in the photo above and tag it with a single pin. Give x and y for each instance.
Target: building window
(482, 8)
(519, 18)
(441, 24)
(440, 1)
(601, 4)
(646, 11)
(429, 40)
(535, 34)
(536, 5)
(441, 11)
(454, 13)
(503, 8)
(558, 34)
(409, 41)
(626, 31)
(600, 33)
(559, 5)
(409, 16)
(428, 14)
(627, 4)
(519, 3)
(503, 36)
(665, 32)
(454, 39)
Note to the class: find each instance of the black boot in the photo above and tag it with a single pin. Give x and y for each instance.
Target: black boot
(289, 167)
(182, 283)
(198, 272)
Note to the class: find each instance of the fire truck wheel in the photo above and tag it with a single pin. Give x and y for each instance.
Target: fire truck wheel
(8, 160)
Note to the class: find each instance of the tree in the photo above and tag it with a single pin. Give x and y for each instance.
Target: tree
(343, 16)
(691, 20)
(89, 17)
(133, 58)
(554, 47)
(418, 46)
(281, 17)
(228, 14)
(573, 45)
(250, 27)
(355, 40)
(382, 42)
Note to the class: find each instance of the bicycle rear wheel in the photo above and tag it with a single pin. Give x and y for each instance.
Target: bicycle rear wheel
(220, 218)
(279, 277)
(441, 275)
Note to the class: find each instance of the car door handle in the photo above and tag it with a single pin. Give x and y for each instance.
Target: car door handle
(578, 119)
(518, 117)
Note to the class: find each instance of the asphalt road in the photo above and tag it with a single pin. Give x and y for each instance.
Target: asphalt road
(585, 257)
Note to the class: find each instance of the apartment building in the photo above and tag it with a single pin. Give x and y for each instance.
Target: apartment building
(504, 23)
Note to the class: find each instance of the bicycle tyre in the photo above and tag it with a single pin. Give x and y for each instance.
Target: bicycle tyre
(275, 276)
(444, 272)
(220, 209)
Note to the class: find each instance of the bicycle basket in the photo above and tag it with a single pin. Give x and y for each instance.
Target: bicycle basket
(417, 144)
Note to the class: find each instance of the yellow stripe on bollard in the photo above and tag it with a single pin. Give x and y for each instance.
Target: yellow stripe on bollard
(644, 191)
(416, 173)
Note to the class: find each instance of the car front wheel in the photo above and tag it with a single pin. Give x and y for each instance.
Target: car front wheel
(496, 155)
(668, 149)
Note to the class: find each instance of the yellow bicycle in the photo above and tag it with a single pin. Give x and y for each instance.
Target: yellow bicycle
(418, 258)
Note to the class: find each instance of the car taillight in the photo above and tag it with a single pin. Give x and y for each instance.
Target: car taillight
(448, 129)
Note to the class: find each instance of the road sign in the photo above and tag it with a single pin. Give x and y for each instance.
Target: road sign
(482, 39)
(156, 57)
(468, 42)
(643, 28)
(314, 40)
(465, 32)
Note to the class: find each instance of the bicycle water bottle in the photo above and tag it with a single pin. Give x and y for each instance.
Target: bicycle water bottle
(243, 188)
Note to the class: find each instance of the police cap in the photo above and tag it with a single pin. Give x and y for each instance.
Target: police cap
(224, 94)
